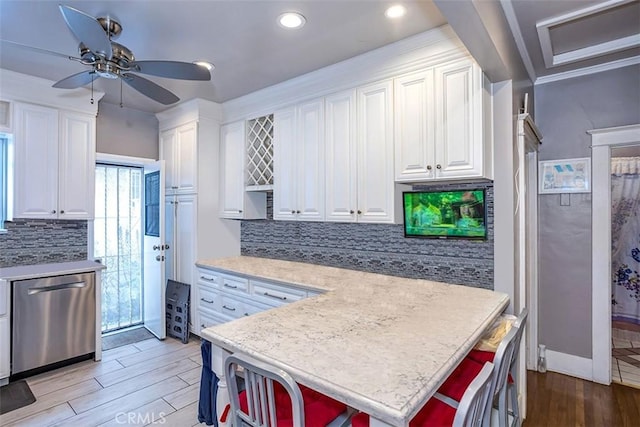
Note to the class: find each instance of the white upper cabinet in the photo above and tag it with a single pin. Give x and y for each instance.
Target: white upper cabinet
(54, 163)
(414, 126)
(178, 148)
(459, 119)
(76, 196)
(359, 148)
(341, 157)
(235, 202)
(299, 165)
(376, 190)
(439, 124)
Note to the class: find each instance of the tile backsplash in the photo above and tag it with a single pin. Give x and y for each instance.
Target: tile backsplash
(42, 241)
(377, 248)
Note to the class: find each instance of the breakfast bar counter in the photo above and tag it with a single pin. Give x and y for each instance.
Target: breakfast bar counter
(380, 344)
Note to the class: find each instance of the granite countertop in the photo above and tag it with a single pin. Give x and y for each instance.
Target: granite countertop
(23, 272)
(379, 343)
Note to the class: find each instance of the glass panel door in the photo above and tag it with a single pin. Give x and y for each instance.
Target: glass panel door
(118, 243)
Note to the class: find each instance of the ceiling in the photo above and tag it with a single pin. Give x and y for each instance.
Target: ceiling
(251, 51)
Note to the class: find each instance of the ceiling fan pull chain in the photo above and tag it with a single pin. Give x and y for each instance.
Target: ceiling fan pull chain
(92, 90)
(121, 93)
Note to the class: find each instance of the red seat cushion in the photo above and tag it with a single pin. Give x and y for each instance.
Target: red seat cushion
(319, 410)
(434, 414)
(458, 382)
(482, 357)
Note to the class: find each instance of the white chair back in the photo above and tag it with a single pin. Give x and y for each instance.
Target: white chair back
(258, 379)
(476, 400)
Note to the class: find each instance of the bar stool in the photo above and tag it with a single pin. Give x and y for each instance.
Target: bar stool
(470, 412)
(273, 399)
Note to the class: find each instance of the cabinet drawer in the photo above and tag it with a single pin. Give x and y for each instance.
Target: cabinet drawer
(234, 284)
(208, 319)
(276, 294)
(232, 307)
(208, 299)
(208, 278)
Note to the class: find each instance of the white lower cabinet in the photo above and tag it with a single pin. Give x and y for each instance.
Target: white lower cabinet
(5, 330)
(222, 297)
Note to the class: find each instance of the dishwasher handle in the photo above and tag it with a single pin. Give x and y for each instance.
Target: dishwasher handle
(73, 285)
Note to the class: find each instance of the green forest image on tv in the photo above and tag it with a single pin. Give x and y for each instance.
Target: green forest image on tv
(445, 214)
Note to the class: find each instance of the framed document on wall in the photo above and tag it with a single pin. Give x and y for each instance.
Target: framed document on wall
(564, 176)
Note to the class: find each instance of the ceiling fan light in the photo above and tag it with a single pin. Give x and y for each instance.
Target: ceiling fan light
(291, 20)
(395, 11)
(206, 64)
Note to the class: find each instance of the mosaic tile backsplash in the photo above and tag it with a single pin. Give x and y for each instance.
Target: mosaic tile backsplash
(40, 241)
(377, 248)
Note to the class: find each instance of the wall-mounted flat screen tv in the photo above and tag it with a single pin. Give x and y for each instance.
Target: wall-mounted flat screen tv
(445, 214)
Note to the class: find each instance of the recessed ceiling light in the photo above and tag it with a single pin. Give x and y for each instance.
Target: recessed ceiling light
(208, 65)
(291, 20)
(395, 11)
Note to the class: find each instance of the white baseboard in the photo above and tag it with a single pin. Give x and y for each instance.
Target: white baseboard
(568, 364)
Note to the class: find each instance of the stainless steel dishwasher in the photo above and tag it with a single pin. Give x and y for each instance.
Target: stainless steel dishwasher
(54, 319)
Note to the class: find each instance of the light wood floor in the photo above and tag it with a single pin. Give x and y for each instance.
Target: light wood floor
(158, 381)
(138, 384)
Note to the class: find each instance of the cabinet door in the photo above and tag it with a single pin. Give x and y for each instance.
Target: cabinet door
(169, 236)
(341, 167)
(284, 165)
(459, 141)
(168, 149)
(414, 127)
(185, 242)
(36, 162)
(232, 137)
(375, 153)
(76, 184)
(185, 177)
(310, 161)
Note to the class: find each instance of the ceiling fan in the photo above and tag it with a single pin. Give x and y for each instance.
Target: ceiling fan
(112, 60)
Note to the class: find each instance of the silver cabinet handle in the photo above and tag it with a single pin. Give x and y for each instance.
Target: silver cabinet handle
(203, 326)
(206, 300)
(267, 294)
(53, 211)
(207, 279)
(226, 285)
(61, 212)
(156, 247)
(74, 285)
(246, 314)
(228, 308)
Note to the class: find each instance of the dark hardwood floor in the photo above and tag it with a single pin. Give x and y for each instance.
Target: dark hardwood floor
(559, 400)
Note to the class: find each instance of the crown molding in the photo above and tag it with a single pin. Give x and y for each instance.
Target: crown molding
(512, 20)
(411, 54)
(35, 90)
(188, 111)
(634, 60)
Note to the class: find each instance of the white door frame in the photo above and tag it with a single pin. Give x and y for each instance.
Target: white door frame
(602, 140)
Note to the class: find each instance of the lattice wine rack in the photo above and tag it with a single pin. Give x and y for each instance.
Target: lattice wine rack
(260, 153)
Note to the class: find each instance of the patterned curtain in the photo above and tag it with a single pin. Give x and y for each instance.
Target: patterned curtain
(625, 238)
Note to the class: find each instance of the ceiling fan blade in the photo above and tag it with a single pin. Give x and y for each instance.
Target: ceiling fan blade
(173, 70)
(87, 30)
(150, 89)
(37, 49)
(76, 80)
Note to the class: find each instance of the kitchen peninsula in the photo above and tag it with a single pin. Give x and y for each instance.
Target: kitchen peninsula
(380, 344)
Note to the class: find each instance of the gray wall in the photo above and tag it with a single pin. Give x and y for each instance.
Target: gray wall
(565, 111)
(377, 248)
(39, 241)
(126, 132)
